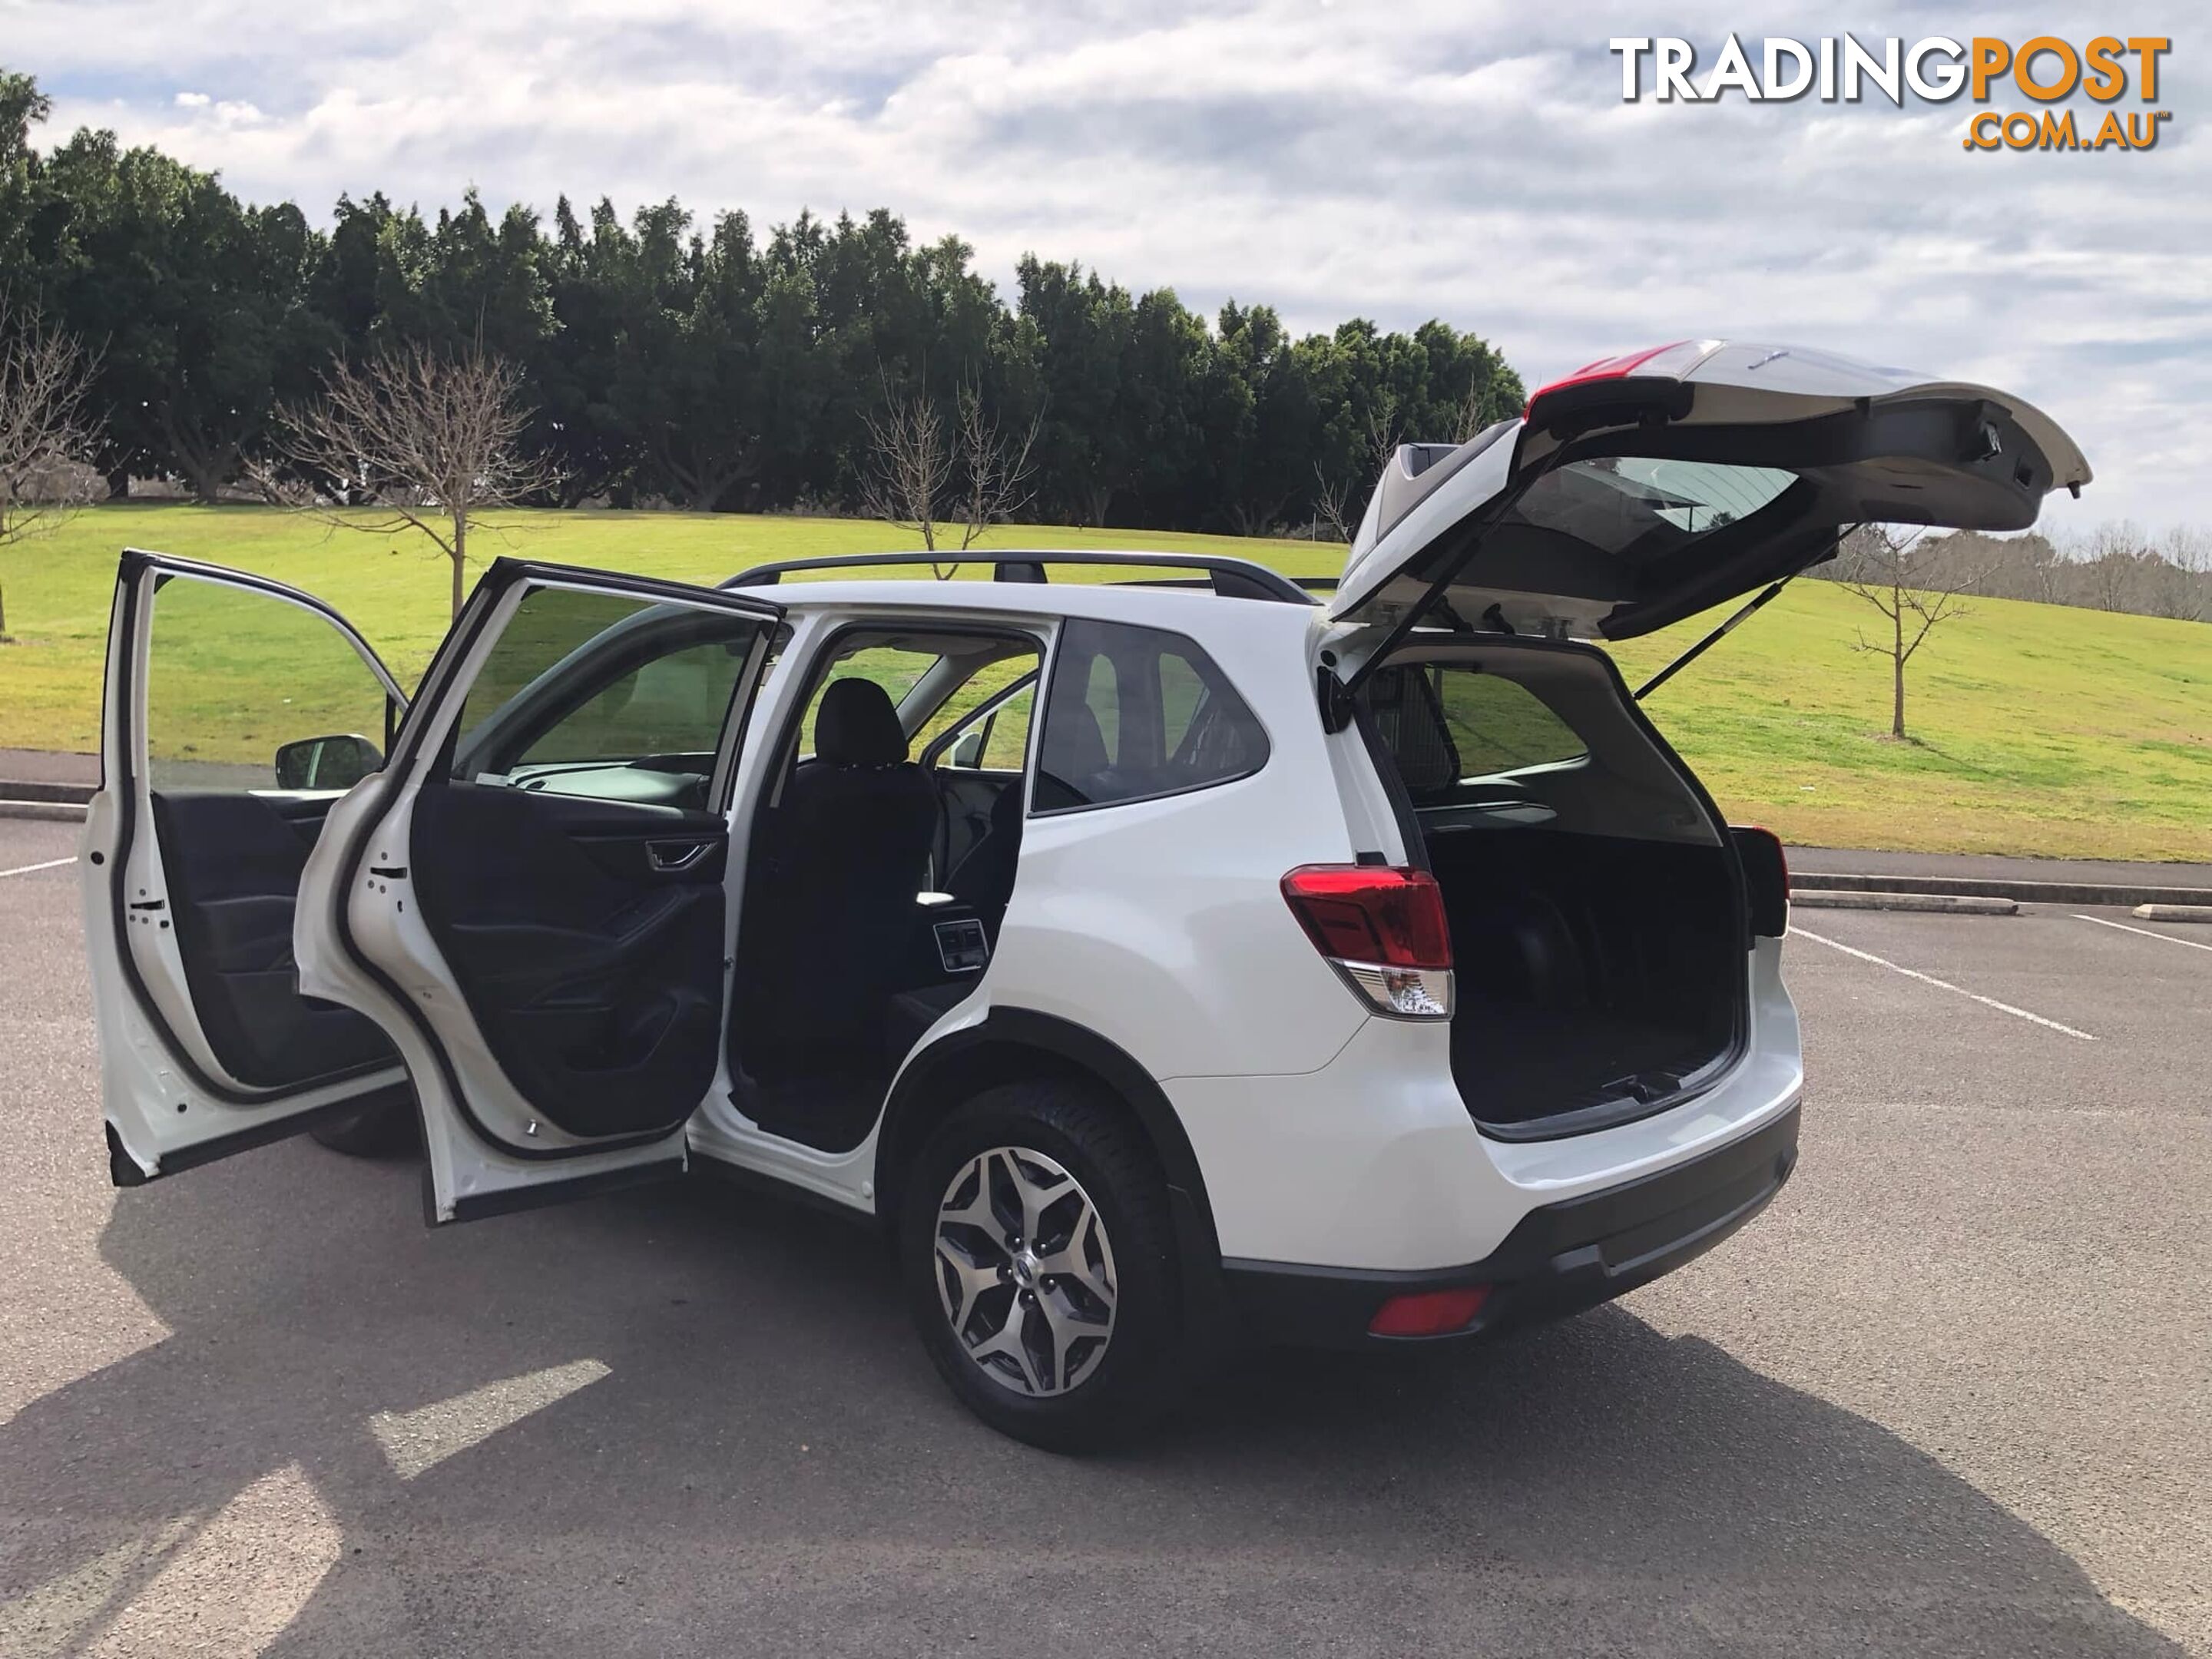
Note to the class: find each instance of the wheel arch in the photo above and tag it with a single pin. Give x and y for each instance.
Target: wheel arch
(1021, 1042)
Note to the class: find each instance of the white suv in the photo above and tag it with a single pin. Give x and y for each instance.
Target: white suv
(1155, 959)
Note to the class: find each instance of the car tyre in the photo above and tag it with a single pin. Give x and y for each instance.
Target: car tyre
(392, 1129)
(1046, 1136)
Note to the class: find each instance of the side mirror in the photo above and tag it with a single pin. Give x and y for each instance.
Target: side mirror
(331, 762)
(967, 753)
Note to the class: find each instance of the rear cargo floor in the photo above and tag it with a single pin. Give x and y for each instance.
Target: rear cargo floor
(1516, 1061)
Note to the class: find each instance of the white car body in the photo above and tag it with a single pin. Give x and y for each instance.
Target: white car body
(1316, 1145)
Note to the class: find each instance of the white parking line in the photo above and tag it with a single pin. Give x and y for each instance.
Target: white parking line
(2193, 945)
(1940, 984)
(51, 864)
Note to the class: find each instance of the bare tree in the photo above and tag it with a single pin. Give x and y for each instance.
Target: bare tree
(994, 466)
(1333, 506)
(429, 441)
(2113, 568)
(2186, 592)
(1342, 505)
(1470, 423)
(1897, 575)
(46, 441)
(1380, 432)
(910, 465)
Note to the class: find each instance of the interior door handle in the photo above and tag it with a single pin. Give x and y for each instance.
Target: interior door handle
(670, 856)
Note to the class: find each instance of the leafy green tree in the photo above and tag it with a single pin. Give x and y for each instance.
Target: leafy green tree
(659, 358)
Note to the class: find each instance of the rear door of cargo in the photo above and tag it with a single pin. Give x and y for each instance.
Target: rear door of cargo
(1644, 489)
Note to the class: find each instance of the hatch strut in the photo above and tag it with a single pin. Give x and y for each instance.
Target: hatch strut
(1336, 695)
(1710, 641)
(1742, 615)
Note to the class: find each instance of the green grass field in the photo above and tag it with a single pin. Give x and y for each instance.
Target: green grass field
(2038, 729)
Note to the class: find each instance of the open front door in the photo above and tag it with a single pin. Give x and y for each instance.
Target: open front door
(530, 899)
(237, 711)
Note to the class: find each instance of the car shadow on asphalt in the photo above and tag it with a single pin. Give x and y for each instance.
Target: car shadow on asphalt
(758, 1456)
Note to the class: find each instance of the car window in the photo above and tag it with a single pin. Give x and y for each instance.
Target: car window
(1135, 713)
(668, 705)
(587, 680)
(1006, 742)
(1449, 724)
(950, 684)
(994, 736)
(986, 683)
(234, 676)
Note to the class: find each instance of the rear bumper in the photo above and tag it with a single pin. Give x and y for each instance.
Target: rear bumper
(1560, 1260)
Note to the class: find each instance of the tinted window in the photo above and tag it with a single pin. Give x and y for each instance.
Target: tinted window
(580, 680)
(668, 705)
(1137, 712)
(1446, 725)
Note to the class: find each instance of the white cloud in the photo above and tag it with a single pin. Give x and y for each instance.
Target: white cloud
(1472, 162)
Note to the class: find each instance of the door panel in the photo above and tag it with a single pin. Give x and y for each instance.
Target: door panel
(550, 964)
(234, 863)
(595, 975)
(207, 1046)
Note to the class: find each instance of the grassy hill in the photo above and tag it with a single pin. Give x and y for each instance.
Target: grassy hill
(2038, 729)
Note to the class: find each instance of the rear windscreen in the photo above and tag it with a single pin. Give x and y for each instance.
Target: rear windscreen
(1644, 507)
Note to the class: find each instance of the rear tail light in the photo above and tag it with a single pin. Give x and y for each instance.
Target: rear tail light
(1766, 878)
(1384, 931)
(1431, 1313)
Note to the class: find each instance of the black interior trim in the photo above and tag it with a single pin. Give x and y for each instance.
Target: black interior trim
(233, 862)
(592, 972)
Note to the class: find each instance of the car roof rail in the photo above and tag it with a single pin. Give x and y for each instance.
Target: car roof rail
(1230, 579)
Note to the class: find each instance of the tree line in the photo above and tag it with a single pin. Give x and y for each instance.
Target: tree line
(2114, 566)
(662, 359)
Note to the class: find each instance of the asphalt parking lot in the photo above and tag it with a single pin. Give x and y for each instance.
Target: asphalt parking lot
(1952, 1394)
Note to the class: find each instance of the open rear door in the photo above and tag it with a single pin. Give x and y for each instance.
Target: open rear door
(530, 898)
(1644, 489)
(237, 711)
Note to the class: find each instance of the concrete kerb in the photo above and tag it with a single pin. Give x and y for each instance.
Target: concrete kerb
(2026, 892)
(1954, 904)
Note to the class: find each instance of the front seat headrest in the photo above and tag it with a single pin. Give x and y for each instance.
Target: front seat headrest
(856, 726)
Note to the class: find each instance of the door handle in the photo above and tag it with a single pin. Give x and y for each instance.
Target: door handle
(668, 857)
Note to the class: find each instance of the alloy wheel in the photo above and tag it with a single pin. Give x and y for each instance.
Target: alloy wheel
(1024, 1271)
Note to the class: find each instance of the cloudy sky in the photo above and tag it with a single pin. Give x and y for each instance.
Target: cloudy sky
(1467, 161)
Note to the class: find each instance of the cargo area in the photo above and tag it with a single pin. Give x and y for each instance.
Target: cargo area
(1599, 936)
